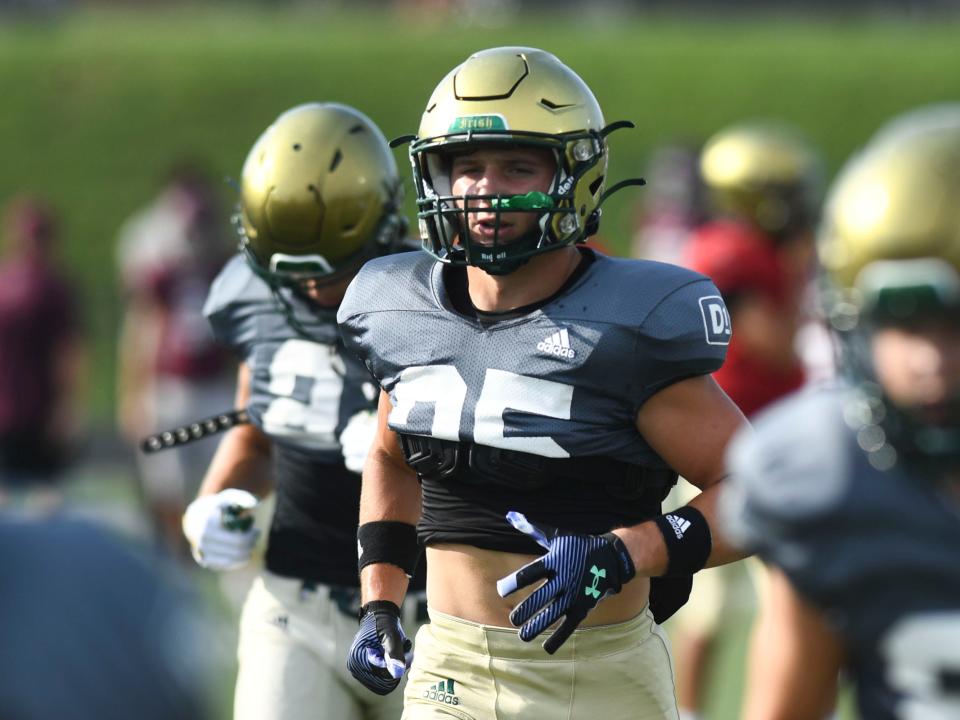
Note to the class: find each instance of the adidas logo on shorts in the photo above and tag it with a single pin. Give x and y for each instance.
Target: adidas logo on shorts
(557, 344)
(442, 692)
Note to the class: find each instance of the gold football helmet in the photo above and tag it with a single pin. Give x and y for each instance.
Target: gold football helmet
(890, 248)
(763, 173)
(892, 218)
(519, 96)
(319, 195)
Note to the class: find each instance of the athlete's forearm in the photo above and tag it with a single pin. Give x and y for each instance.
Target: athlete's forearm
(242, 461)
(648, 546)
(721, 552)
(390, 489)
(390, 492)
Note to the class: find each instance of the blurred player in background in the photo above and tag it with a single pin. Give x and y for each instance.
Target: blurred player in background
(93, 629)
(42, 350)
(852, 494)
(537, 397)
(319, 196)
(762, 183)
(170, 369)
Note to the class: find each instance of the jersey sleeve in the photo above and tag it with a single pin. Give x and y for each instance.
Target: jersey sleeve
(686, 334)
(228, 310)
(350, 319)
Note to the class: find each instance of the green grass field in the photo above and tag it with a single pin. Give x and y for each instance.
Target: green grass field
(97, 104)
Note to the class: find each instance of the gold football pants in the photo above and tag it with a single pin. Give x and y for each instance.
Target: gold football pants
(477, 672)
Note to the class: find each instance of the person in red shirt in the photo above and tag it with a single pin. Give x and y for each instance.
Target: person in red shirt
(41, 349)
(765, 306)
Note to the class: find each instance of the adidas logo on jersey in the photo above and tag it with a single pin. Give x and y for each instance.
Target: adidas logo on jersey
(679, 525)
(557, 344)
(442, 692)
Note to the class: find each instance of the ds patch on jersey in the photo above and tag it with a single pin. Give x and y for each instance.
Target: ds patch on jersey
(716, 320)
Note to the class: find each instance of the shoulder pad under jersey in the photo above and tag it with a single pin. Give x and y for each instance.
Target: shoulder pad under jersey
(383, 284)
(788, 475)
(683, 327)
(229, 305)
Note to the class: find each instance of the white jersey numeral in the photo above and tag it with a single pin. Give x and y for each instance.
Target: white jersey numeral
(923, 663)
(504, 390)
(312, 424)
(442, 386)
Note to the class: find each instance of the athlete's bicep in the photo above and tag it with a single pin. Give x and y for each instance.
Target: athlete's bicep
(794, 658)
(689, 424)
(390, 490)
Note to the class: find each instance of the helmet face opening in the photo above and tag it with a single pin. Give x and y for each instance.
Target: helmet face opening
(446, 218)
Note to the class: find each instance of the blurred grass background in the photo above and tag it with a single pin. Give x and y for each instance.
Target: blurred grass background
(98, 102)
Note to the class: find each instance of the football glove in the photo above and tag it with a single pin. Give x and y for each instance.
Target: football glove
(580, 570)
(220, 529)
(381, 653)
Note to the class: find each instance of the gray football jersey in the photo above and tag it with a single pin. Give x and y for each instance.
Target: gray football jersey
(565, 380)
(877, 551)
(303, 391)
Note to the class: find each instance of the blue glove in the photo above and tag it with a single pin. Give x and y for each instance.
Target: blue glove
(580, 570)
(381, 653)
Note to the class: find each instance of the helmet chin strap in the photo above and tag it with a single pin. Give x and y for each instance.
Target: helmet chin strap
(521, 245)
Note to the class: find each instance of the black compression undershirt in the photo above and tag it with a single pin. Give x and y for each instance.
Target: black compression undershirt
(455, 511)
(313, 535)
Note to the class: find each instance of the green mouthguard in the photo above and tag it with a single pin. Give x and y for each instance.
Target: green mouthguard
(531, 201)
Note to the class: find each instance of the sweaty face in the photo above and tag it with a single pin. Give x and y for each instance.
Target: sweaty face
(501, 171)
(919, 367)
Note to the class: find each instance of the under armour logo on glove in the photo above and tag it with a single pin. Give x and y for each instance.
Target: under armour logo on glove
(580, 570)
(381, 653)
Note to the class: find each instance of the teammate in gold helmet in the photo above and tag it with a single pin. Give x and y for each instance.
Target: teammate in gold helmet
(537, 400)
(764, 172)
(319, 196)
(852, 494)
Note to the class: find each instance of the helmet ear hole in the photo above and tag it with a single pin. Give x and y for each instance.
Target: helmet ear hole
(595, 186)
(592, 226)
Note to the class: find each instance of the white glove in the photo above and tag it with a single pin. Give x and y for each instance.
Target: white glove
(356, 438)
(206, 524)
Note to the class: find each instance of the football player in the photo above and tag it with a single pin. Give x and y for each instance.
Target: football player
(319, 196)
(852, 494)
(545, 396)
